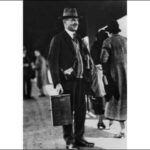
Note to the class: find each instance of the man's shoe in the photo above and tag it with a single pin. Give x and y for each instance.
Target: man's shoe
(101, 125)
(72, 146)
(83, 143)
(119, 135)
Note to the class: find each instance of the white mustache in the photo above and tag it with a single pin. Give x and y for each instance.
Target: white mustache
(75, 25)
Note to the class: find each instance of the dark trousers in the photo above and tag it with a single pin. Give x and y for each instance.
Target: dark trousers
(26, 86)
(98, 105)
(75, 131)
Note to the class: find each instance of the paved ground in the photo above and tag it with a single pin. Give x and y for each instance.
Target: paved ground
(40, 134)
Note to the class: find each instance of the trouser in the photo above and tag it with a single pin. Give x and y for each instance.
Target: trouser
(75, 131)
(99, 105)
(26, 86)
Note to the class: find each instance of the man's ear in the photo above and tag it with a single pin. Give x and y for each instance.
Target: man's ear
(64, 21)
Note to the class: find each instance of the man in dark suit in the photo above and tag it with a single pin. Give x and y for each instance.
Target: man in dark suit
(26, 75)
(68, 63)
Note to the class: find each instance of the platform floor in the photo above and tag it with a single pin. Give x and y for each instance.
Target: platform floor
(39, 132)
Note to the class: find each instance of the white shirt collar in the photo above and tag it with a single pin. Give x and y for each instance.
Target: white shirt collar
(70, 33)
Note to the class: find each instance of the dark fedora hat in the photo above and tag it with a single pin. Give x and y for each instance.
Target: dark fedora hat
(69, 13)
(113, 27)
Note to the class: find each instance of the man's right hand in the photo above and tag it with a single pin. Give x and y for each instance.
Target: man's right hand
(68, 71)
(59, 88)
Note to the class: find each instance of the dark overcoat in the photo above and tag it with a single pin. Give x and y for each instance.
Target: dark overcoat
(114, 56)
(62, 56)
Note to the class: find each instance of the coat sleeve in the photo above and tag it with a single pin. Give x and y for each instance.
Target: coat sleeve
(53, 60)
(38, 63)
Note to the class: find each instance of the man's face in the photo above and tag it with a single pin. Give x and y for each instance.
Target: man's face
(71, 24)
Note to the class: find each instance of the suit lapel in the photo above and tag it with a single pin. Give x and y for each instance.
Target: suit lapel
(69, 42)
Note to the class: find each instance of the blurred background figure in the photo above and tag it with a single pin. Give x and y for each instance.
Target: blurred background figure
(41, 71)
(97, 45)
(89, 110)
(27, 75)
(99, 102)
(113, 57)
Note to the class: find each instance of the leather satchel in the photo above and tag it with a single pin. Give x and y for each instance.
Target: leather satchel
(61, 110)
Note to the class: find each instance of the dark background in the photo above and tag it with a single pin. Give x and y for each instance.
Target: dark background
(40, 20)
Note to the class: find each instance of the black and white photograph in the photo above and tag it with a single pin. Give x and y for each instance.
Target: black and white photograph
(74, 74)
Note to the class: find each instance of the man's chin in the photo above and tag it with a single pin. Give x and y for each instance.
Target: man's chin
(73, 30)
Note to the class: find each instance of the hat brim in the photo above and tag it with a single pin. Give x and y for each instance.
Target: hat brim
(109, 29)
(67, 17)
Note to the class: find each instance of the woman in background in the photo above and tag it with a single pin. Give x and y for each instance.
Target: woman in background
(113, 57)
(98, 104)
(41, 71)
